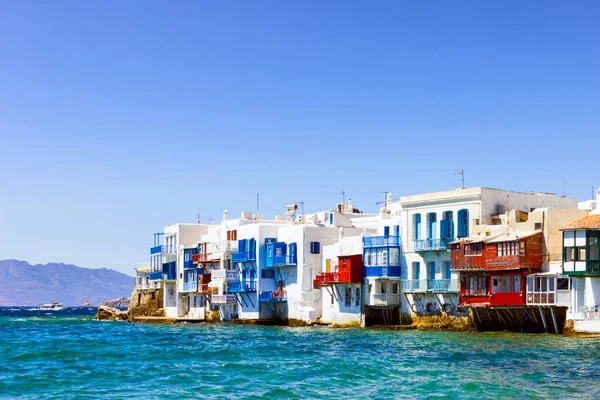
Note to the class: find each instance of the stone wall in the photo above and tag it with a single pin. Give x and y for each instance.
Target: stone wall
(146, 303)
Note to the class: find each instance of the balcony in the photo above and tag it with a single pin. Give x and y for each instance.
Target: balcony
(431, 285)
(204, 258)
(224, 274)
(242, 286)
(382, 272)
(190, 286)
(272, 297)
(414, 286)
(431, 244)
(162, 276)
(329, 278)
(162, 249)
(442, 285)
(381, 241)
(243, 256)
(225, 245)
(384, 299)
(281, 261)
(223, 299)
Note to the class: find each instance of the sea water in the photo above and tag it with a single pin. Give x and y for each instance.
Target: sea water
(45, 354)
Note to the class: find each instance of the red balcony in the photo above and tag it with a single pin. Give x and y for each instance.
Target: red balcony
(329, 278)
(203, 258)
(467, 256)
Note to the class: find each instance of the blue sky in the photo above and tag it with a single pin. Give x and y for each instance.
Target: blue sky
(117, 118)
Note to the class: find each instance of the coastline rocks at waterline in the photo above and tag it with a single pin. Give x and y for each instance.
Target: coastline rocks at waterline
(106, 313)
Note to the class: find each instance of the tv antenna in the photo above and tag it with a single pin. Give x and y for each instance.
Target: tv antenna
(385, 201)
(198, 215)
(462, 177)
(257, 202)
(343, 193)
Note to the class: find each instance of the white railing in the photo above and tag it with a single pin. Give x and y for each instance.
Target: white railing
(223, 274)
(385, 299)
(224, 245)
(223, 299)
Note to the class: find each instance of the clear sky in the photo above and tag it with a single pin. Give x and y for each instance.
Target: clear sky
(118, 117)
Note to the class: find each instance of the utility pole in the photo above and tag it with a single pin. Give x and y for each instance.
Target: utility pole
(198, 215)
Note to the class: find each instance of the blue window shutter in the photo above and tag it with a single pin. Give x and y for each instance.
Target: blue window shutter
(444, 228)
(318, 248)
(386, 231)
(252, 246)
(418, 270)
(292, 249)
(397, 230)
(417, 226)
(448, 273)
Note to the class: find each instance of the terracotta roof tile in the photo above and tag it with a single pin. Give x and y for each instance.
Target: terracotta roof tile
(588, 222)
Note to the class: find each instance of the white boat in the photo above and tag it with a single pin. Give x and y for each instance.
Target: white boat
(54, 306)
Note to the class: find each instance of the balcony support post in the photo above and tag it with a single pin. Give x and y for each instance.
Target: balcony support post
(554, 320)
(543, 320)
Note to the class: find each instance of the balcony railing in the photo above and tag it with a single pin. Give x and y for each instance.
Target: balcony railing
(382, 272)
(162, 249)
(414, 285)
(224, 274)
(385, 299)
(431, 244)
(328, 278)
(224, 245)
(204, 257)
(282, 261)
(442, 285)
(431, 285)
(243, 256)
(381, 241)
(190, 286)
(272, 297)
(165, 276)
(223, 299)
(242, 287)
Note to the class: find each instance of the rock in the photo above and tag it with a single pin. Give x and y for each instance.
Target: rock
(106, 313)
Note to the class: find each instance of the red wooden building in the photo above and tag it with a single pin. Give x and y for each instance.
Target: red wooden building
(493, 270)
(350, 270)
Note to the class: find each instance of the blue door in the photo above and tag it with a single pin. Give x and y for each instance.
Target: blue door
(431, 271)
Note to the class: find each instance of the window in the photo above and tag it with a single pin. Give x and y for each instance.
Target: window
(416, 270)
(537, 226)
(357, 300)
(417, 226)
(510, 249)
(232, 235)
(594, 245)
(562, 283)
(463, 223)
(581, 254)
(569, 254)
(394, 252)
(278, 251)
(330, 218)
(517, 283)
(394, 288)
(267, 274)
(386, 231)
(348, 299)
(315, 248)
(475, 286)
(432, 226)
(473, 249)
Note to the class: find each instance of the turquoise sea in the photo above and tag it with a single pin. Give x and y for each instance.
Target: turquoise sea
(57, 356)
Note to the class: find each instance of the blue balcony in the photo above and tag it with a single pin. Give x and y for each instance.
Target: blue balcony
(164, 276)
(242, 287)
(281, 261)
(272, 297)
(382, 272)
(243, 256)
(431, 244)
(162, 249)
(190, 286)
(381, 241)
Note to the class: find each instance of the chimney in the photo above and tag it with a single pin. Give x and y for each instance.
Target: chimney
(225, 215)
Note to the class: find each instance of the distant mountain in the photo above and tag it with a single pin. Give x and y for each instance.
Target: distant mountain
(23, 284)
